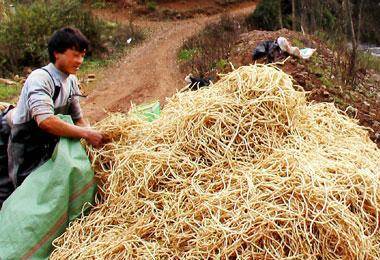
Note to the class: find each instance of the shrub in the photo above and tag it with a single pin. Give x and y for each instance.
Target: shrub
(208, 51)
(8, 93)
(24, 36)
(367, 61)
(221, 64)
(265, 15)
(186, 54)
(151, 5)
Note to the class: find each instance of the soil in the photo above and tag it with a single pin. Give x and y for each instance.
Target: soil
(314, 75)
(149, 71)
(177, 10)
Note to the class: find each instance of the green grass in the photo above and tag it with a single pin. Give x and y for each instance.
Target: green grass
(340, 103)
(94, 66)
(8, 93)
(91, 65)
(99, 4)
(368, 61)
(298, 43)
(315, 67)
(221, 64)
(151, 5)
(186, 54)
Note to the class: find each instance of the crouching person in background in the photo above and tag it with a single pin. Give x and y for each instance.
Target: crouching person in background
(33, 127)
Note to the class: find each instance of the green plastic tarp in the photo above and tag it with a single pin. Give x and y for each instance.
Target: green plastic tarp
(50, 197)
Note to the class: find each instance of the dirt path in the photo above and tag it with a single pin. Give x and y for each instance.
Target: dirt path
(150, 71)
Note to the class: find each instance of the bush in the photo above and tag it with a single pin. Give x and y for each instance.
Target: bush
(8, 93)
(186, 54)
(151, 5)
(208, 52)
(367, 61)
(265, 15)
(24, 36)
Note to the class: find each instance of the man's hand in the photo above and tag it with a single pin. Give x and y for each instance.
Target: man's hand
(82, 122)
(54, 125)
(95, 138)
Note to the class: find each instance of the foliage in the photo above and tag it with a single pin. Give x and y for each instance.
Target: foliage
(151, 5)
(346, 23)
(221, 64)
(312, 15)
(186, 54)
(208, 52)
(228, 2)
(24, 36)
(366, 60)
(265, 15)
(99, 4)
(8, 93)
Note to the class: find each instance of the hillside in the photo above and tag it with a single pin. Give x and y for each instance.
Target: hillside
(316, 76)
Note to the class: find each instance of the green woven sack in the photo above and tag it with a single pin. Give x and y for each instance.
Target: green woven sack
(50, 197)
(148, 112)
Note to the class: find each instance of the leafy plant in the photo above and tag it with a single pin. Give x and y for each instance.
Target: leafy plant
(7, 93)
(151, 5)
(186, 54)
(221, 64)
(265, 15)
(24, 36)
(212, 47)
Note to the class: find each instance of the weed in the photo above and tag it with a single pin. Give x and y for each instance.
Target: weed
(98, 4)
(298, 43)
(24, 36)
(368, 61)
(340, 102)
(186, 54)
(212, 47)
(265, 16)
(151, 5)
(221, 64)
(8, 93)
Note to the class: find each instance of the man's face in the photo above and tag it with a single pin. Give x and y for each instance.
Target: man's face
(69, 61)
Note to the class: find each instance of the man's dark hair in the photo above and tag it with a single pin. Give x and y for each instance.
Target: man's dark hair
(67, 38)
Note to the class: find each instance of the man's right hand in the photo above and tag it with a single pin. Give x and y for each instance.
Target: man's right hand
(58, 127)
(93, 137)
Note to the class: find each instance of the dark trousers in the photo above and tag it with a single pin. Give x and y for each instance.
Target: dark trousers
(6, 185)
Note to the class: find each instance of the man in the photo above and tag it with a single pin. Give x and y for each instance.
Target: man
(51, 90)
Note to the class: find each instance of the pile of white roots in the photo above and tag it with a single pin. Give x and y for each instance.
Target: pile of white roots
(245, 168)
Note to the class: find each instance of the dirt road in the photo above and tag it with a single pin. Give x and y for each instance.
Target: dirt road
(150, 71)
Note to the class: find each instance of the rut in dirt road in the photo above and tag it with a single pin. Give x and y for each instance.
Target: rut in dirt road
(149, 72)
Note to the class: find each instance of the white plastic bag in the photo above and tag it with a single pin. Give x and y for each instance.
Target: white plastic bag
(285, 46)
